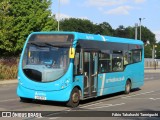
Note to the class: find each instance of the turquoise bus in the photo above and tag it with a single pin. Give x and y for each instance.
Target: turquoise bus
(71, 66)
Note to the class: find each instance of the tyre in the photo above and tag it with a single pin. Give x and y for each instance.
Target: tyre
(27, 100)
(74, 98)
(127, 87)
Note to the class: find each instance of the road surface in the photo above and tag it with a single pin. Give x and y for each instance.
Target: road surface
(147, 98)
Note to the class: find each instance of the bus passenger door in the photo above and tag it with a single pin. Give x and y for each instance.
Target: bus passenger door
(90, 74)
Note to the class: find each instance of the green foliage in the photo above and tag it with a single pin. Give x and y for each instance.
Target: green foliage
(129, 32)
(147, 35)
(85, 26)
(77, 25)
(105, 29)
(148, 51)
(19, 18)
(6, 23)
(157, 51)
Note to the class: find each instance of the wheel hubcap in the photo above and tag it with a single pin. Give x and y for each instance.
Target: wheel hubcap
(75, 97)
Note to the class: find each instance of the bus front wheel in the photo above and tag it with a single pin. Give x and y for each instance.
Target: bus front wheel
(128, 87)
(74, 98)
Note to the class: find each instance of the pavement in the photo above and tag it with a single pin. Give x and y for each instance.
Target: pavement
(15, 81)
(152, 70)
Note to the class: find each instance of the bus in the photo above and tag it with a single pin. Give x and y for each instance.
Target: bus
(72, 66)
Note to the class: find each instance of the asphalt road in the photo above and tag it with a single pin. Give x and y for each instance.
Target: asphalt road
(147, 98)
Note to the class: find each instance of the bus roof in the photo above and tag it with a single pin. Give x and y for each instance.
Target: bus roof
(95, 37)
(98, 37)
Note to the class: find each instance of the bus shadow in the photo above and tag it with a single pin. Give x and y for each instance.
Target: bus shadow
(47, 102)
(107, 97)
(83, 102)
(50, 103)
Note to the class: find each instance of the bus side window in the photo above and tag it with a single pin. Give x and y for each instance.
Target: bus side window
(104, 63)
(77, 63)
(117, 61)
(137, 55)
(127, 57)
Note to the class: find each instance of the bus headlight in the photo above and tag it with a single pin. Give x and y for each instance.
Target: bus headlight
(19, 80)
(65, 83)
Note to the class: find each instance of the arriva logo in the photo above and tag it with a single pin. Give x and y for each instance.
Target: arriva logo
(40, 93)
(119, 79)
(89, 37)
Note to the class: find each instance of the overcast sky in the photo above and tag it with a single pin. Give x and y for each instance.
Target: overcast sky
(115, 12)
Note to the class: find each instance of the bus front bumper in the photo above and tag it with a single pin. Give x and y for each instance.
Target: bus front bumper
(62, 95)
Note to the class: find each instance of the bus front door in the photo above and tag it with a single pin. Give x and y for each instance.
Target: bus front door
(90, 74)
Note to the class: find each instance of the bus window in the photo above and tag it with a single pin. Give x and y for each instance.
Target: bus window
(125, 57)
(117, 61)
(86, 61)
(77, 63)
(136, 54)
(104, 63)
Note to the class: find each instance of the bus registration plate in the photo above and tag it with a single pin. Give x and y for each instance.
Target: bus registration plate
(40, 97)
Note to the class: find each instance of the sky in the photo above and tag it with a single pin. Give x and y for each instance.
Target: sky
(115, 12)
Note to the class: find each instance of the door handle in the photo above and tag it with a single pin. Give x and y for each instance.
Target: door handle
(94, 74)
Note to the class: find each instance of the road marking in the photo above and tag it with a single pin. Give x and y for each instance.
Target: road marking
(135, 98)
(155, 94)
(9, 100)
(53, 118)
(91, 105)
(138, 94)
(108, 105)
(149, 78)
(154, 98)
(143, 98)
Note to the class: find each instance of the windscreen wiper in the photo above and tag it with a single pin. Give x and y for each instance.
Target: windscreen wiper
(59, 44)
(37, 44)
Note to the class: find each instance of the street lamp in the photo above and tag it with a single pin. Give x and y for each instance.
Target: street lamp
(154, 55)
(140, 19)
(136, 25)
(58, 13)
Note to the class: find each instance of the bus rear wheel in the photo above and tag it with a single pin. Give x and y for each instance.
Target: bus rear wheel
(74, 98)
(127, 87)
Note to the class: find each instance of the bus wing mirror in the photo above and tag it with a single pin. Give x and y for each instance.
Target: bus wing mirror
(71, 52)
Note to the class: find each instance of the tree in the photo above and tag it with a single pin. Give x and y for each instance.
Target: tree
(157, 51)
(148, 51)
(147, 35)
(6, 23)
(20, 18)
(121, 32)
(129, 32)
(105, 29)
(85, 26)
(78, 25)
